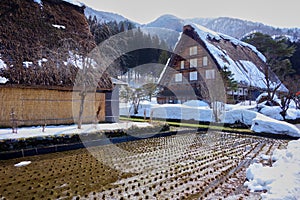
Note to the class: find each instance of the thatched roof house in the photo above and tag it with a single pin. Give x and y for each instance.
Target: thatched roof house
(199, 56)
(42, 48)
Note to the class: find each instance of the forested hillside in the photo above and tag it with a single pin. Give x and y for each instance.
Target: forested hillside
(283, 57)
(154, 52)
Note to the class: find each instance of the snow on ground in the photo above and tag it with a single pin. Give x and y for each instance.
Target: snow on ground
(28, 132)
(22, 164)
(242, 105)
(264, 124)
(193, 110)
(194, 103)
(282, 180)
(245, 112)
(179, 111)
(265, 94)
(241, 115)
(273, 112)
(198, 111)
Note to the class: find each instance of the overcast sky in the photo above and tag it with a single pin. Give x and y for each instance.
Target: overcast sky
(284, 13)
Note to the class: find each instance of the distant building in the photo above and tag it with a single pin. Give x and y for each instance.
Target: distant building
(193, 71)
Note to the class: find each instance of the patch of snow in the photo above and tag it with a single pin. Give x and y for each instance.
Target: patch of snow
(169, 111)
(254, 76)
(264, 124)
(58, 26)
(241, 115)
(2, 64)
(265, 157)
(204, 33)
(242, 112)
(292, 114)
(272, 111)
(179, 111)
(178, 39)
(27, 64)
(163, 71)
(79, 61)
(3, 80)
(275, 98)
(43, 60)
(196, 103)
(22, 164)
(207, 33)
(39, 2)
(242, 105)
(282, 180)
(29, 132)
(74, 2)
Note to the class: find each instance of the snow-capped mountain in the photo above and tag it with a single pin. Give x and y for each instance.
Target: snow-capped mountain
(105, 16)
(167, 21)
(240, 28)
(236, 28)
(229, 26)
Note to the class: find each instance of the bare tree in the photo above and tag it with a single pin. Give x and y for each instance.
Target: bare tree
(285, 103)
(271, 90)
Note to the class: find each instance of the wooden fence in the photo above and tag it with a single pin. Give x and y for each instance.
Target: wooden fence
(39, 106)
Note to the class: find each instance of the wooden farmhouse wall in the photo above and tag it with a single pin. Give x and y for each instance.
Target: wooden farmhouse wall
(198, 71)
(36, 106)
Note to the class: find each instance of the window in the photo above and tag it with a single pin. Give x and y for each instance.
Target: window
(205, 61)
(193, 50)
(210, 74)
(193, 62)
(178, 77)
(182, 64)
(193, 76)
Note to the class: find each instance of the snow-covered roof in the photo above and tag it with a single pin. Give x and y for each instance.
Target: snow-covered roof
(242, 59)
(117, 81)
(74, 2)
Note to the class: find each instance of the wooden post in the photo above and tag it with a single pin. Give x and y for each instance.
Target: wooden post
(151, 116)
(13, 121)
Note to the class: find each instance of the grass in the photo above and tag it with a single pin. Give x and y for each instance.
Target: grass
(192, 125)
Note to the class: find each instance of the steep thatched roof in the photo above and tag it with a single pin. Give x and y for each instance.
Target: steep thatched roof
(39, 42)
(243, 60)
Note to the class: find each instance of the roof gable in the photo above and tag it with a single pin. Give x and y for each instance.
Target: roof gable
(242, 59)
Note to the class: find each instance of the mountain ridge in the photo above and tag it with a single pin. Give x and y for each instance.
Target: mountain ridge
(234, 27)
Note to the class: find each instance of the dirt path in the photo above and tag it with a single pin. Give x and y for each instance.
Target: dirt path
(184, 166)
